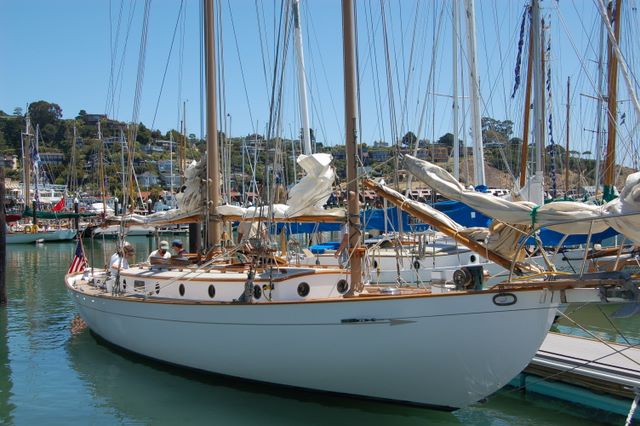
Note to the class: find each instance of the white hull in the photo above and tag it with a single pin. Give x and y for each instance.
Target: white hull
(445, 351)
(29, 238)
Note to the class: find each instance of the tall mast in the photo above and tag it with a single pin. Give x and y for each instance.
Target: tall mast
(474, 88)
(599, 132)
(454, 59)
(566, 151)
(351, 140)
(182, 154)
(302, 79)
(26, 161)
(612, 110)
(213, 161)
(538, 83)
(73, 179)
(524, 158)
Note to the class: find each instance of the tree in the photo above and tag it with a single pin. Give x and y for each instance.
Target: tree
(43, 113)
(409, 139)
(18, 111)
(446, 139)
(495, 130)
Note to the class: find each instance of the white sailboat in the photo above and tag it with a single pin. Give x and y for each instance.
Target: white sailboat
(318, 326)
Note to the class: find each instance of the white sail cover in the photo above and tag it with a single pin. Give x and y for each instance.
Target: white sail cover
(552, 215)
(190, 201)
(306, 198)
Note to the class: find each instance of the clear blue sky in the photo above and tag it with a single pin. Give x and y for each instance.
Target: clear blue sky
(62, 52)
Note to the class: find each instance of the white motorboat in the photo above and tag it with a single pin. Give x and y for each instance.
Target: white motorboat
(24, 237)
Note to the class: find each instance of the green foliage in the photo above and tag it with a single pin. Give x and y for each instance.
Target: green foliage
(43, 113)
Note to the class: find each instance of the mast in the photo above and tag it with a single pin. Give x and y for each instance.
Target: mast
(599, 132)
(454, 59)
(474, 88)
(566, 151)
(182, 154)
(73, 180)
(213, 165)
(101, 174)
(26, 161)
(538, 83)
(351, 140)
(524, 157)
(612, 110)
(302, 80)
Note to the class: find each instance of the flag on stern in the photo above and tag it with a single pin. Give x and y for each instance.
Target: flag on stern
(79, 260)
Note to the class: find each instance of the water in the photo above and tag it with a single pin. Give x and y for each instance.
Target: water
(50, 376)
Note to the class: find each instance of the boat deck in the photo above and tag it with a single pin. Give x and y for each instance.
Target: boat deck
(610, 368)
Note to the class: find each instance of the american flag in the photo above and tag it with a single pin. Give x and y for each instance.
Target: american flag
(79, 261)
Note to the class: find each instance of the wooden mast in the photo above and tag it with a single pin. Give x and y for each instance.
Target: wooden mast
(351, 140)
(612, 110)
(566, 151)
(527, 111)
(213, 165)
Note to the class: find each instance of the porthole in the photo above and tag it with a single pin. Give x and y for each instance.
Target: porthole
(257, 292)
(416, 265)
(375, 264)
(303, 289)
(124, 284)
(212, 291)
(181, 289)
(157, 288)
(472, 258)
(342, 286)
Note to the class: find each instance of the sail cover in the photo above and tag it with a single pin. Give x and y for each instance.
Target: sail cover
(306, 199)
(556, 216)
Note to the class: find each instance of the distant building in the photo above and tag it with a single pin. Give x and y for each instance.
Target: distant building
(93, 119)
(9, 162)
(52, 158)
(148, 179)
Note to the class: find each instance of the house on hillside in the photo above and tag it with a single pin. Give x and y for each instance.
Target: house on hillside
(148, 179)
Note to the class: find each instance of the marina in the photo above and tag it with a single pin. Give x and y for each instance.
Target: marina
(358, 269)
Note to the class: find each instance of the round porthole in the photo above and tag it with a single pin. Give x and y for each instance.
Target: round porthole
(342, 286)
(124, 284)
(157, 288)
(181, 289)
(375, 264)
(416, 265)
(303, 289)
(212, 291)
(472, 258)
(257, 292)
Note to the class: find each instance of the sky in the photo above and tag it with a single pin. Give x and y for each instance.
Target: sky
(85, 55)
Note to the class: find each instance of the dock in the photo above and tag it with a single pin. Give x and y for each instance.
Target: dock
(585, 371)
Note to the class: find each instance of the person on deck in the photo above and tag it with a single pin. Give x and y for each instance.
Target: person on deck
(342, 253)
(120, 259)
(162, 252)
(178, 251)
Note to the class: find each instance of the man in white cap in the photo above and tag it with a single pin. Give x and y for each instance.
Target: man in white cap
(162, 252)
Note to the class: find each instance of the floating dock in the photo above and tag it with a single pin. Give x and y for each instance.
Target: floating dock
(597, 374)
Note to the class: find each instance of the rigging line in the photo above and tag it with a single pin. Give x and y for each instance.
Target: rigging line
(141, 62)
(180, 71)
(263, 42)
(375, 69)
(119, 78)
(166, 66)
(339, 124)
(244, 80)
(403, 111)
(113, 51)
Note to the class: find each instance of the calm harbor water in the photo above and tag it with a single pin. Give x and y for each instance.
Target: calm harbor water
(50, 376)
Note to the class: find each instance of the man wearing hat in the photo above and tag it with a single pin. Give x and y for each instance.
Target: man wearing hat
(178, 251)
(162, 252)
(120, 259)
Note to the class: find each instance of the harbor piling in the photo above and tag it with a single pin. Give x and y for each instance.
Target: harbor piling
(76, 210)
